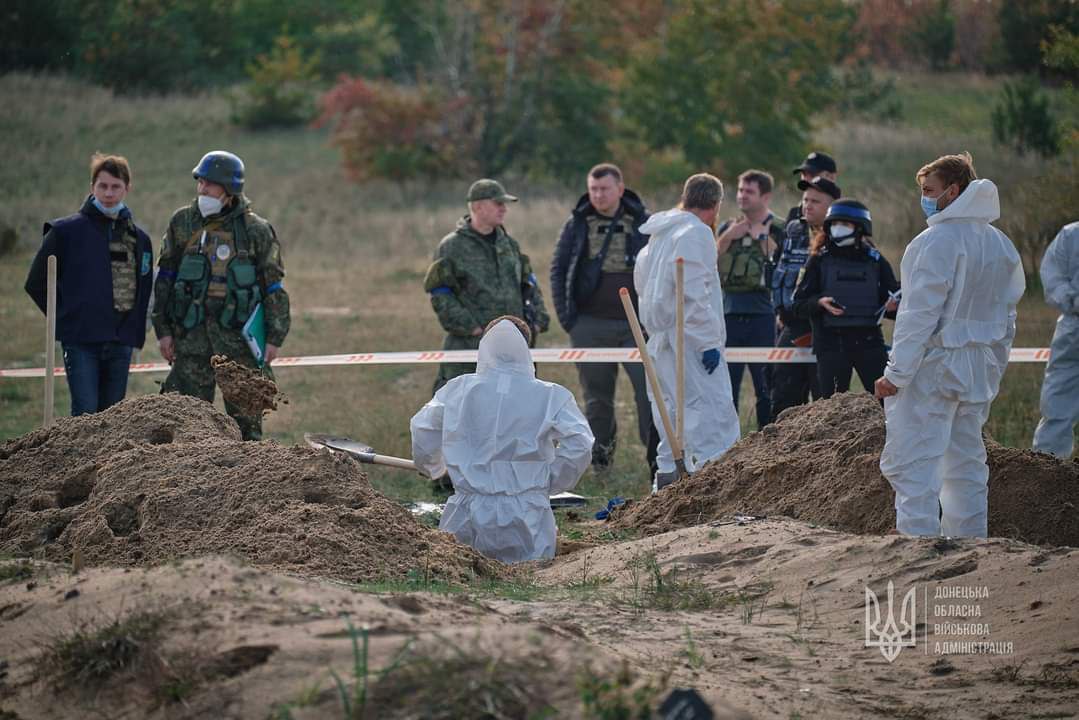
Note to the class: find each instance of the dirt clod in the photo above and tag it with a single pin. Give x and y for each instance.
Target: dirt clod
(819, 463)
(250, 391)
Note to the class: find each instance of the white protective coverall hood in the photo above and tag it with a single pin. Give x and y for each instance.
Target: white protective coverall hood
(962, 279)
(1060, 389)
(509, 441)
(711, 422)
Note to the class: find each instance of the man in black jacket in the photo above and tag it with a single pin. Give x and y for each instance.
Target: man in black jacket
(104, 273)
(594, 258)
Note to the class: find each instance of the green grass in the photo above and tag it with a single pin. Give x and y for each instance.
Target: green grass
(355, 254)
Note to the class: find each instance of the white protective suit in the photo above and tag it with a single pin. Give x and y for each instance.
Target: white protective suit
(1060, 389)
(962, 279)
(711, 422)
(509, 441)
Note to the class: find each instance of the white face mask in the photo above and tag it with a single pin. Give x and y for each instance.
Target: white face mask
(209, 205)
(838, 232)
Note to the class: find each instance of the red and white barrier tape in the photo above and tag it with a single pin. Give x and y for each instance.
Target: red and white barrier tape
(540, 355)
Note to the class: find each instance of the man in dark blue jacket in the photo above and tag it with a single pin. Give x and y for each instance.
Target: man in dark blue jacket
(104, 281)
(594, 258)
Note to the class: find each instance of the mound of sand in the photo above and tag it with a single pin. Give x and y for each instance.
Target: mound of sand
(156, 478)
(819, 463)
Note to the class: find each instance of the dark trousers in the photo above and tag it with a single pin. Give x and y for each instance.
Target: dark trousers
(598, 381)
(96, 375)
(752, 331)
(792, 383)
(834, 366)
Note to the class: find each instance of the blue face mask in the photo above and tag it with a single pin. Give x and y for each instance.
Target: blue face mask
(929, 205)
(112, 212)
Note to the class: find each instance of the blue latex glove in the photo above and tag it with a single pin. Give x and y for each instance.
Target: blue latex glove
(710, 360)
(611, 505)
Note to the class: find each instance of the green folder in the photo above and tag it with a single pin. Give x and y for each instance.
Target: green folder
(254, 332)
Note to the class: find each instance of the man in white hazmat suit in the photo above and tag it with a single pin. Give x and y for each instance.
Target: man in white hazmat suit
(711, 422)
(1060, 389)
(508, 441)
(962, 279)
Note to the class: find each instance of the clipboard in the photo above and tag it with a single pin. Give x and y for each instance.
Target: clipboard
(254, 334)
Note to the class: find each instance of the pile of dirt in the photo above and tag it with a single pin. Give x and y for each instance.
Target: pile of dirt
(249, 390)
(161, 477)
(819, 463)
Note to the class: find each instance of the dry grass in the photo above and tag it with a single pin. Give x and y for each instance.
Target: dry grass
(356, 255)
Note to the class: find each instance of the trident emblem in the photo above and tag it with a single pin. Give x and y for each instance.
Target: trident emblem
(893, 636)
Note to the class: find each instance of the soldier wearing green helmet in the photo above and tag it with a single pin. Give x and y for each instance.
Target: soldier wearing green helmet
(479, 273)
(219, 262)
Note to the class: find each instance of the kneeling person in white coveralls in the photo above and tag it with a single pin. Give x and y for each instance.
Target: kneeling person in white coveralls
(508, 441)
(711, 422)
(1060, 389)
(962, 279)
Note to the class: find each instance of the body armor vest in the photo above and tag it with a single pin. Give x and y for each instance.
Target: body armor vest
(855, 284)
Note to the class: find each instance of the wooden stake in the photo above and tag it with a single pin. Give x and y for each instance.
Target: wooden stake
(680, 350)
(50, 340)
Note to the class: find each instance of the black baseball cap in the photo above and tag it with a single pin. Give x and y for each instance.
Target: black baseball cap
(823, 184)
(816, 163)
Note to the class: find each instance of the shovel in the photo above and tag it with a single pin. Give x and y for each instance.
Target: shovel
(367, 454)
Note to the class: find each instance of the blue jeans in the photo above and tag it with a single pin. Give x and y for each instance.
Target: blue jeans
(752, 331)
(96, 375)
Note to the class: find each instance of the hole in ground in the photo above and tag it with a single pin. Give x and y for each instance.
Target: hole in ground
(77, 488)
(160, 436)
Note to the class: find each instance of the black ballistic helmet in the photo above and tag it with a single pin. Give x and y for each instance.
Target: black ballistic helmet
(852, 211)
(223, 168)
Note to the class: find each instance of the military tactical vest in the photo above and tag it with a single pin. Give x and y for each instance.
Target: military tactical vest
(745, 267)
(216, 266)
(122, 242)
(792, 259)
(855, 284)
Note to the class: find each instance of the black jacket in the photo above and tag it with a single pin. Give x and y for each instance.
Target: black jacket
(809, 292)
(572, 245)
(84, 304)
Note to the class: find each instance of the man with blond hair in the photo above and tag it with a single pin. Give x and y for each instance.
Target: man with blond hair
(104, 282)
(962, 279)
(687, 232)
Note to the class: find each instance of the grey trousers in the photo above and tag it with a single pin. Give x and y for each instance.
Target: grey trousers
(599, 381)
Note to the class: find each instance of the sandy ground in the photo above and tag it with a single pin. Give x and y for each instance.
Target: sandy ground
(802, 653)
(171, 571)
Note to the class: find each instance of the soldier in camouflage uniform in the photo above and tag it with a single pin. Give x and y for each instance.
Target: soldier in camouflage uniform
(480, 273)
(219, 260)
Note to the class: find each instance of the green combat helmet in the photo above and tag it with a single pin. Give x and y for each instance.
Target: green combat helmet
(223, 168)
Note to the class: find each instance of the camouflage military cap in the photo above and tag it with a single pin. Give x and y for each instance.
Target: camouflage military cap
(489, 190)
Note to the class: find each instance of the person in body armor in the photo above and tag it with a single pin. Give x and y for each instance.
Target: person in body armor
(479, 273)
(846, 289)
(816, 164)
(104, 275)
(794, 383)
(747, 247)
(593, 259)
(219, 261)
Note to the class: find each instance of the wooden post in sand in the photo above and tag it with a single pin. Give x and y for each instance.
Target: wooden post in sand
(680, 350)
(50, 340)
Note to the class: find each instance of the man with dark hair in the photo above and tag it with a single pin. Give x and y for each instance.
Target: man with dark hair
(793, 383)
(816, 164)
(711, 422)
(104, 275)
(478, 274)
(962, 280)
(593, 259)
(219, 262)
(747, 248)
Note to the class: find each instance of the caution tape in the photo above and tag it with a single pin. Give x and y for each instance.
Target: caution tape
(539, 355)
